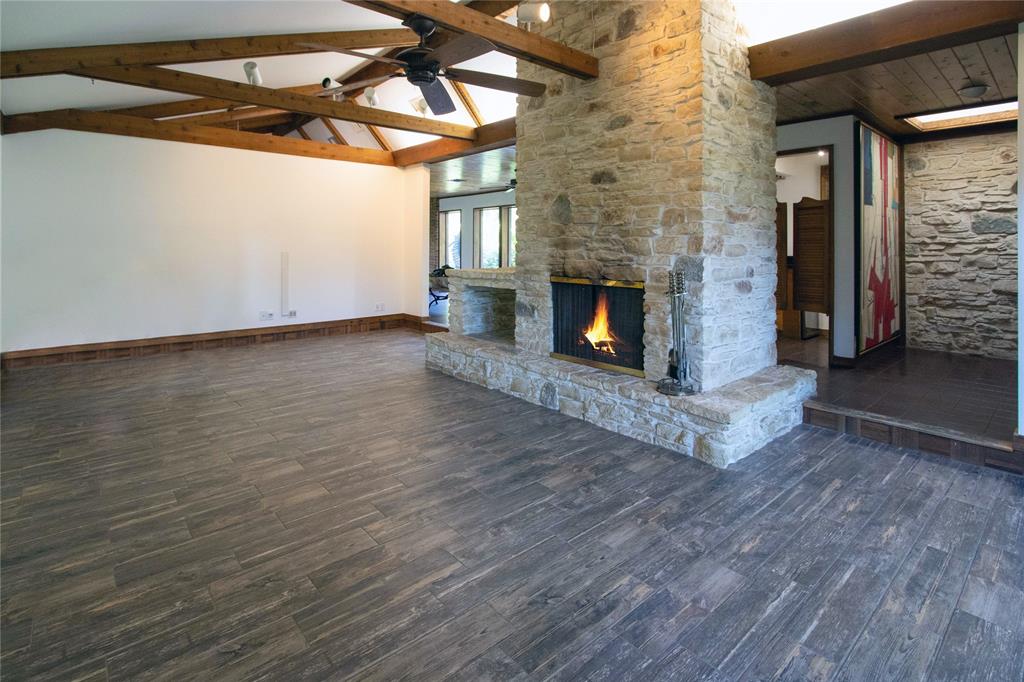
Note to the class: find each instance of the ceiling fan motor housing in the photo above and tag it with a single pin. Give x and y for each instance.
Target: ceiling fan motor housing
(420, 68)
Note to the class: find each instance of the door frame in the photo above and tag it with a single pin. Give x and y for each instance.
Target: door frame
(831, 296)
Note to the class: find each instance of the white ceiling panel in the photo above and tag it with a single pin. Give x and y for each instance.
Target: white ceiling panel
(29, 24)
(356, 134)
(41, 93)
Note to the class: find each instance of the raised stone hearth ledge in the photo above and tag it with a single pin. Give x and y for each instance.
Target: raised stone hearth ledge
(719, 427)
(482, 301)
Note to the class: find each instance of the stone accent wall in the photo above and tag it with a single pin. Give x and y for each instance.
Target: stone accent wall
(482, 301)
(961, 248)
(435, 234)
(665, 161)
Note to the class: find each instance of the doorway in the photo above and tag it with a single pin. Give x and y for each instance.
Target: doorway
(804, 254)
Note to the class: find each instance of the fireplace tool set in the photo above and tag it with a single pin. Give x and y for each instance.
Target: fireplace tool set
(678, 381)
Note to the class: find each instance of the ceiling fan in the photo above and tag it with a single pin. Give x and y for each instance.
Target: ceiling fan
(422, 66)
(507, 187)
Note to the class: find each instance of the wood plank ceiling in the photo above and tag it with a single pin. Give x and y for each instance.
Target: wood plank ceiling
(487, 171)
(925, 82)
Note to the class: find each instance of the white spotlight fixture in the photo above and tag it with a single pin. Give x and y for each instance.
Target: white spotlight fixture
(821, 152)
(372, 98)
(419, 105)
(973, 90)
(530, 12)
(252, 73)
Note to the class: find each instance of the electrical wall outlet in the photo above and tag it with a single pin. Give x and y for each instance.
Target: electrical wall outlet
(266, 315)
(379, 308)
(291, 313)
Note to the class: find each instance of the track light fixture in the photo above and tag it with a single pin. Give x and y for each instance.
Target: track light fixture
(372, 98)
(530, 12)
(252, 73)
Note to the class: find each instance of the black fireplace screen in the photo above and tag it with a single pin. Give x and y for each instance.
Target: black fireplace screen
(599, 323)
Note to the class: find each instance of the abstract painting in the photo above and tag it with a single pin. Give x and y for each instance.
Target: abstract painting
(879, 240)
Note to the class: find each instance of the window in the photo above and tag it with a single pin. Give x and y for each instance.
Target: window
(451, 238)
(512, 214)
(495, 232)
(489, 237)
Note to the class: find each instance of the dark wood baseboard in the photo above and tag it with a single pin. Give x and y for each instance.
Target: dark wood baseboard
(962, 447)
(138, 348)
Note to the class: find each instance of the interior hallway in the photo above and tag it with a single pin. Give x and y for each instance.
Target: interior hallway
(329, 508)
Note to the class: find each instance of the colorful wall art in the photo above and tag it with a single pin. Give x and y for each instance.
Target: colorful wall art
(880, 233)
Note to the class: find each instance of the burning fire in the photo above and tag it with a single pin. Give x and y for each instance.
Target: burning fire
(599, 334)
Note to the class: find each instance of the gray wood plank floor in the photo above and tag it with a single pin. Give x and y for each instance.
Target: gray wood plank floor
(330, 509)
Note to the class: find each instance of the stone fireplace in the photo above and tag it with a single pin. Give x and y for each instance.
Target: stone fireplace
(599, 323)
(664, 163)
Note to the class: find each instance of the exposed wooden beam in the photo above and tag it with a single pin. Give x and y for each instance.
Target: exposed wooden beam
(133, 126)
(116, 124)
(261, 123)
(506, 38)
(230, 116)
(467, 101)
(491, 136)
(63, 59)
(290, 126)
(379, 137)
(302, 132)
(893, 33)
(201, 105)
(192, 84)
(333, 130)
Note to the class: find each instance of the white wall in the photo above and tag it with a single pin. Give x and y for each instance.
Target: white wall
(466, 205)
(110, 238)
(839, 133)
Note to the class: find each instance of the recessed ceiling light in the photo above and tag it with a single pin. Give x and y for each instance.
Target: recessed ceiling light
(973, 90)
(959, 118)
(821, 152)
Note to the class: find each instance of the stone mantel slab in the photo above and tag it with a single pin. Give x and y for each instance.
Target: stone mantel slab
(498, 278)
(720, 426)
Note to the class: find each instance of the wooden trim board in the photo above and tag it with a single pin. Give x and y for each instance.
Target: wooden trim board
(138, 348)
(985, 452)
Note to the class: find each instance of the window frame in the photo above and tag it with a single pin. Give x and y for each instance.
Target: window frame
(443, 226)
(504, 245)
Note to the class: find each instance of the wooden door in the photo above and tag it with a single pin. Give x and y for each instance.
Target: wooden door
(782, 284)
(812, 257)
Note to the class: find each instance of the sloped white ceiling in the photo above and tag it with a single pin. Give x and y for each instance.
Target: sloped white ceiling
(30, 24)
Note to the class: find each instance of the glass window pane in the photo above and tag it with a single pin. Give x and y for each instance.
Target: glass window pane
(453, 238)
(490, 237)
(512, 235)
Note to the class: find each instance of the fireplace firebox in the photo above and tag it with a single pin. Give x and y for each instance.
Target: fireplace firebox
(599, 323)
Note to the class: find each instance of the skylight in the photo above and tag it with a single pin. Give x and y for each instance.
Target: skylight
(959, 118)
(766, 20)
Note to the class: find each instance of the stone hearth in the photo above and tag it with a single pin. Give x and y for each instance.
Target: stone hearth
(719, 426)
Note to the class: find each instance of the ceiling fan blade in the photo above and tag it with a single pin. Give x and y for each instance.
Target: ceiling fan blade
(496, 82)
(438, 99)
(331, 48)
(461, 49)
(348, 87)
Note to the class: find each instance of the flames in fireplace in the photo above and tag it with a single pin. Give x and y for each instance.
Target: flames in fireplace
(599, 334)
(598, 323)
